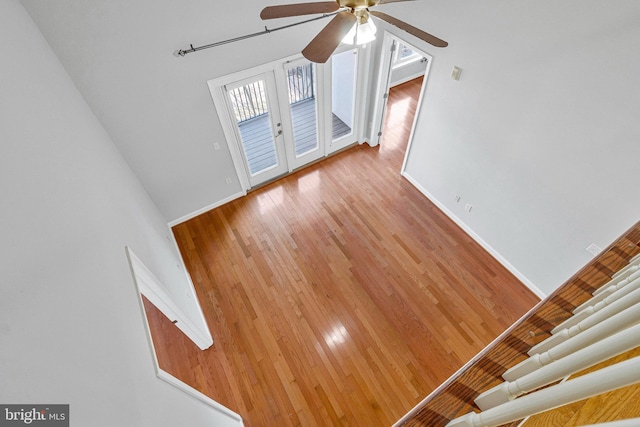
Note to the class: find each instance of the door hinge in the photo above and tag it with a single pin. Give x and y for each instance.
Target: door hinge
(379, 133)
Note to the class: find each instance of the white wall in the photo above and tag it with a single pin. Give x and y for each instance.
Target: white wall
(157, 108)
(71, 327)
(541, 134)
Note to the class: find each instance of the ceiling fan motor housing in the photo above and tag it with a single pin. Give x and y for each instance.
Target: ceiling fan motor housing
(357, 4)
(349, 16)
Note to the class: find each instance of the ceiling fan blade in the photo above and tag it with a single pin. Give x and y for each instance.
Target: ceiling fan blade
(282, 11)
(328, 39)
(433, 40)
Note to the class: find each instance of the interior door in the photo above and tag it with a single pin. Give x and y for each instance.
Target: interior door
(258, 125)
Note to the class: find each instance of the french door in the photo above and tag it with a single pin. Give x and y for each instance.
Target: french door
(284, 115)
(302, 112)
(258, 126)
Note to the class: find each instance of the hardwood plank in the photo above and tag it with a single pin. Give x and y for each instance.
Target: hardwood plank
(338, 295)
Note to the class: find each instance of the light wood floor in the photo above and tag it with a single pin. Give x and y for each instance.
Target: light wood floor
(615, 405)
(338, 295)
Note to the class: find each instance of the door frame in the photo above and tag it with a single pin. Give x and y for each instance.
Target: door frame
(381, 93)
(323, 72)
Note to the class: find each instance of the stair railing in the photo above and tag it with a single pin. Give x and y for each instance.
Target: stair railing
(606, 326)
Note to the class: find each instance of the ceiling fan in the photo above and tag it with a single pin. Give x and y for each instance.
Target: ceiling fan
(352, 23)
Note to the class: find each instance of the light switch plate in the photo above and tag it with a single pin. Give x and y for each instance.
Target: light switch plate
(455, 73)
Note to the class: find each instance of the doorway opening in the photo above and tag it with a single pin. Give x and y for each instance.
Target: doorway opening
(403, 76)
(399, 116)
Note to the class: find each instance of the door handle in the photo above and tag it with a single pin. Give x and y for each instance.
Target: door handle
(279, 133)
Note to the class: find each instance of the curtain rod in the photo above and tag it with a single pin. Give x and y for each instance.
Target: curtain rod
(182, 52)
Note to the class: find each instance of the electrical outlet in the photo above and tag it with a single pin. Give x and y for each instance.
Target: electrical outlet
(468, 207)
(457, 198)
(216, 146)
(229, 181)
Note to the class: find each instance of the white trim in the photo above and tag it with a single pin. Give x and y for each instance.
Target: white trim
(167, 377)
(362, 89)
(382, 86)
(212, 206)
(631, 422)
(170, 379)
(150, 287)
(475, 237)
(423, 90)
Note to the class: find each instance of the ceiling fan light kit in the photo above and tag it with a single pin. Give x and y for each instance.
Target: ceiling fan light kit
(352, 24)
(363, 31)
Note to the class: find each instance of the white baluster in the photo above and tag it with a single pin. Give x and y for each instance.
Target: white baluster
(631, 422)
(578, 317)
(606, 379)
(632, 262)
(600, 315)
(595, 353)
(607, 327)
(622, 274)
(608, 291)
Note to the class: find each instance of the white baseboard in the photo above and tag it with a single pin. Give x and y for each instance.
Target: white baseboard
(170, 379)
(206, 209)
(406, 79)
(476, 237)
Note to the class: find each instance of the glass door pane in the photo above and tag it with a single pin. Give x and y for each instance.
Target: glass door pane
(301, 88)
(259, 127)
(252, 117)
